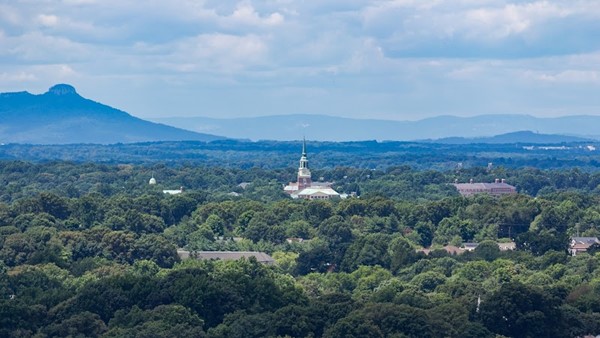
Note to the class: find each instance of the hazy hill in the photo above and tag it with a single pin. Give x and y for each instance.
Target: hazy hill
(528, 137)
(62, 116)
(329, 128)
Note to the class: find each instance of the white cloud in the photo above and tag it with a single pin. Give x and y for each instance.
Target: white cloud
(411, 56)
(216, 53)
(17, 77)
(37, 47)
(246, 14)
(566, 76)
(47, 20)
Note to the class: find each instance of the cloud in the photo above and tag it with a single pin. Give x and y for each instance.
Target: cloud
(36, 47)
(499, 29)
(47, 20)
(17, 77)
(387, 58)
(246, 14)
(218, 52)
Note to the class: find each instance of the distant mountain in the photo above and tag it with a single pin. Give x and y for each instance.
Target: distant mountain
(528, 137)
(62, 116)
(329, 128)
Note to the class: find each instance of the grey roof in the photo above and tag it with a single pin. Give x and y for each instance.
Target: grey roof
(482, 185)
(585, 240)
(226, 255)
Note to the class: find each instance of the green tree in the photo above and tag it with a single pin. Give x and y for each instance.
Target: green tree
(487, 250)
(518, 310)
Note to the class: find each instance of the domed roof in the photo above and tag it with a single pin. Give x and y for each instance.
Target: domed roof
(152, 181)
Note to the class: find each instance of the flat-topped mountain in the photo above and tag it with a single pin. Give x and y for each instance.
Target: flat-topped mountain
(62, 116)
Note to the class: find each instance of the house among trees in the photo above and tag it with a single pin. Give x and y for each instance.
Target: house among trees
(304, 187)
(260, 257)
(581, 244)
(499, 187)
(173, 192)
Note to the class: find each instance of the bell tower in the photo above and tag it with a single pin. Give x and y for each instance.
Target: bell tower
(304, 180)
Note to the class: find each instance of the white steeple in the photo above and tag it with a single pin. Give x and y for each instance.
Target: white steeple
(304, 179)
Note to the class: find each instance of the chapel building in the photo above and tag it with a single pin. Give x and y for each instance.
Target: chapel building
(304, 187)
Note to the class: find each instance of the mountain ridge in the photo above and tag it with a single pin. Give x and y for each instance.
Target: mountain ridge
(523, 137)
(62, 116)
(332, 128)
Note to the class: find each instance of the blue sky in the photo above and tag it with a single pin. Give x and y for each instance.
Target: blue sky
(388, 59)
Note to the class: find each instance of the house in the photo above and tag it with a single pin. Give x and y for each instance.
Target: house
(454, 250)
(470, 246)
(261, 257)
(498, 188)
(507, 246)
(450, 249)
(581, 244)
(173, 192)
(304, 187)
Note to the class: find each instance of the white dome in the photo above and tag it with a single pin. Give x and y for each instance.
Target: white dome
(152, 181)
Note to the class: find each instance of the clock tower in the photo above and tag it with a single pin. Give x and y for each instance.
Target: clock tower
(304, 180)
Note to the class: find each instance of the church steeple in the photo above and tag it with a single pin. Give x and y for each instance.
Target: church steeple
(304, 158)
(304, 177)
(304, 146)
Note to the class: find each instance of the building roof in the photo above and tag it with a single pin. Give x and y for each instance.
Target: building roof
(172, 192)
(507, 246)
(451, 249)
(584, 240)
(581, 246)
(320, 184)
(484, 186)
(226, 255)
(318, 190)
(470, 246)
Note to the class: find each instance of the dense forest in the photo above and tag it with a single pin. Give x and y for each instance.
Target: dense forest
(90, 250)
(363, 154)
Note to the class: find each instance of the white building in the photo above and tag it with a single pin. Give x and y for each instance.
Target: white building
(304, 187)
(173, 192)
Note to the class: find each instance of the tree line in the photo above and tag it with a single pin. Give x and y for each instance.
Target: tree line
(82, 256)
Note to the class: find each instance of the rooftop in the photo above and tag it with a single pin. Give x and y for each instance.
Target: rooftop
(226, 255)
(482, 185)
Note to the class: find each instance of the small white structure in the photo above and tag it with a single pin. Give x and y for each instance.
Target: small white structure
(152, 181)
(173, 192)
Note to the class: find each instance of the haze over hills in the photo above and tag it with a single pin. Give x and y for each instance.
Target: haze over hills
(330, 128)
(62, 116)
(528, 137)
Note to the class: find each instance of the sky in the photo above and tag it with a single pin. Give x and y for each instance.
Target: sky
(382, 59)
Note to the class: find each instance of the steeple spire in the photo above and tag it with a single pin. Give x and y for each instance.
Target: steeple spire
(303, 158)
(303, 171)
(304, 146)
